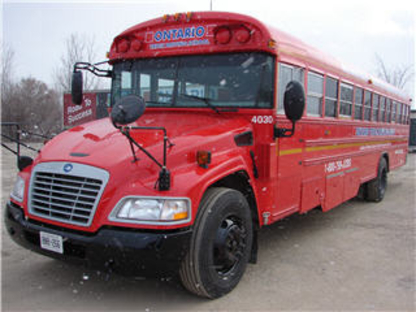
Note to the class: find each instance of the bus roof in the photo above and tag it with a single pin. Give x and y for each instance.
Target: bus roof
(222, 32)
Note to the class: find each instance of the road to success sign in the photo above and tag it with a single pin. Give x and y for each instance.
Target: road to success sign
(79, 114)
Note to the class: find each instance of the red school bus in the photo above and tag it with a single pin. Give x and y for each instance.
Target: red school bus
(220, 125)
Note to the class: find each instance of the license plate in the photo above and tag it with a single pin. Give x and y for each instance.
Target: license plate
(51, 242)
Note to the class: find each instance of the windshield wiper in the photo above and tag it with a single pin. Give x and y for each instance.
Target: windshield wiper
(203, 99)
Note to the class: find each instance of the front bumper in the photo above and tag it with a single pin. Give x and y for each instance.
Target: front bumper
(126, 251)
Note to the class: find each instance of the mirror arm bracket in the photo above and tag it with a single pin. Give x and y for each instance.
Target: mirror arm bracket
(92, 68)
(284, 132)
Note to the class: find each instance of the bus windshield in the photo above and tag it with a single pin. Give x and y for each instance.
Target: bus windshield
(238, 80)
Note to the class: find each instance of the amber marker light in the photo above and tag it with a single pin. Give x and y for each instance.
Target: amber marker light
(271, 44)
(203, 158)
(188, 16)
(176, 17)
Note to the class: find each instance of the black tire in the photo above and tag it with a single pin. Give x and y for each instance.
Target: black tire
(220, 245)
(377, 188)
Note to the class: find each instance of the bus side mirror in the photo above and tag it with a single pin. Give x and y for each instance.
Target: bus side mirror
(76, 87)
(127, 110)
(294, 104)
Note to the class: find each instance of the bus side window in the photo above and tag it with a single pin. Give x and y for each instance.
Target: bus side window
(375, 107)
(358, 111)
(400, 113)
(331, 97)
(346, 100)
(393, 112)
(388, 110)
(367, 105)
(382, 109)
(315, 94)
(287, 73)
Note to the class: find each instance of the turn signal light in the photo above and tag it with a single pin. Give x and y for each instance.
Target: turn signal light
(203, 158)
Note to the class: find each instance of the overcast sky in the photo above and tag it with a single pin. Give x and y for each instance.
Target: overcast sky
(352, 31)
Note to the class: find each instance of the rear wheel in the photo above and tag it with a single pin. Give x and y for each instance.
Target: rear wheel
(377, 188)
(220, 245)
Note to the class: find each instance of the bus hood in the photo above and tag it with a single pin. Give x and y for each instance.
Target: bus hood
(100, 144)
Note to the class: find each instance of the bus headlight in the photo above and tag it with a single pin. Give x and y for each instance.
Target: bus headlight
(148, 210)
(18, 189)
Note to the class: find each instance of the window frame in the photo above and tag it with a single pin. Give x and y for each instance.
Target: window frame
(335, 100)
(280, 108)
(383, 106)
(375, 108)
(314, 94)
(370, 100)
(347, 86)
(360, 104)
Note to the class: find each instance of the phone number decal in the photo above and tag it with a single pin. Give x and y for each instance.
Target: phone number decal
(338, 165)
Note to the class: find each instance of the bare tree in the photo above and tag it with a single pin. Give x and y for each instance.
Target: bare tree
(398, 76)
(7, 64)
(7, 85)
(34, 106)
(78, 48)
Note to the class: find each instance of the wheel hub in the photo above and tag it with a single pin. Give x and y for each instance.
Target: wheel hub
(229, 245)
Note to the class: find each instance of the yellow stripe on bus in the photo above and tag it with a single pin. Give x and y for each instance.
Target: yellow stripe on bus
(331, 147)
(291, 151)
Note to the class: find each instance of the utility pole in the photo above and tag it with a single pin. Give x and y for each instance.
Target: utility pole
(210, 5)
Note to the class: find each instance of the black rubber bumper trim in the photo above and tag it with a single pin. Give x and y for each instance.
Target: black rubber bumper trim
(115, 249)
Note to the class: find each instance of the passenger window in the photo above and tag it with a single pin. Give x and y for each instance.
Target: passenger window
(382, 109)
(367, 105)
(286, 74)
(393, 112)
(346, 100)
(375, 107)
(331, 97)
(315, 94)
(358, 108)
(388, 110)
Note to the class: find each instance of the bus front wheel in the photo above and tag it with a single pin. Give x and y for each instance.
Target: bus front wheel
(220, 245)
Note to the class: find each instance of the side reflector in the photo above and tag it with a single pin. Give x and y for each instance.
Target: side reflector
(223, 35)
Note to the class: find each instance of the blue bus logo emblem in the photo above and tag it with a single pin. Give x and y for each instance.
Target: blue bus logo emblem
(68, 168)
